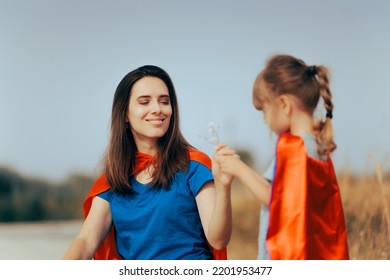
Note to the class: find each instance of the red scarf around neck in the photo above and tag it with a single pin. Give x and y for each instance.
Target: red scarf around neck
(143, 161)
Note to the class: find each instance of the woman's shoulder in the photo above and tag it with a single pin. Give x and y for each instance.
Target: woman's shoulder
(199, 156)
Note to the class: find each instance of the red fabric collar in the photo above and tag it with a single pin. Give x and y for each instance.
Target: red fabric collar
(143, 161)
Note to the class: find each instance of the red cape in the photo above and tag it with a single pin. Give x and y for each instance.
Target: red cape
(306, 214)
(107, 249)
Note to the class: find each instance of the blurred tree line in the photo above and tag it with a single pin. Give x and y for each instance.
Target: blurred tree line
(33, 199)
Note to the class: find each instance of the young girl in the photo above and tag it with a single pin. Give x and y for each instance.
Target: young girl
(157, 198)
(302, 215)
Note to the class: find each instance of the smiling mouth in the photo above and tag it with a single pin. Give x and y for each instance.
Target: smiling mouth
(155, 121)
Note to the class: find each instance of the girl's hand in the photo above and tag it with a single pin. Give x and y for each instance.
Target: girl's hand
(219, 176)
(227, 159)
(220, 172)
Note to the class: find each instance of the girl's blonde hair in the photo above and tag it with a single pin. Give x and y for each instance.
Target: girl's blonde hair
(285, 74)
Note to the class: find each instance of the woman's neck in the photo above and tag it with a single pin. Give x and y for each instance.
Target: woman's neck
(149, 148)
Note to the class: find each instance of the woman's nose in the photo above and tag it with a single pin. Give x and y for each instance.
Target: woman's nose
(156, 107)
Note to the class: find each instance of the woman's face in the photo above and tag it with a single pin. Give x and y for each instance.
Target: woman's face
(149, 111)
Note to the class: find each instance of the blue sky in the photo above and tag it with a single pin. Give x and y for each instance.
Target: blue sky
(60, 62)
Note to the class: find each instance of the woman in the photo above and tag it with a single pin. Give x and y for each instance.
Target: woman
(157, 198)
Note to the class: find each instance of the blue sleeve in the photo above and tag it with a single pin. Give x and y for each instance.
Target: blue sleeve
(198, 174)
(107, 195)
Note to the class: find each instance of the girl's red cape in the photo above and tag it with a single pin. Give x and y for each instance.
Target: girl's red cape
(306, 213)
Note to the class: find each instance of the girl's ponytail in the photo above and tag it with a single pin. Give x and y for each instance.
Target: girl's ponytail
(326, 144)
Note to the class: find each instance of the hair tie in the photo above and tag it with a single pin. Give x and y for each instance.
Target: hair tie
(329, 114)
(313, 70)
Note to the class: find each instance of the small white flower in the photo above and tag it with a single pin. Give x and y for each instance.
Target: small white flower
(214, 140)
(213, 133)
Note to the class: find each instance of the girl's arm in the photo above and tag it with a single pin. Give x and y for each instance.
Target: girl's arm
(94, 229)
(231, 164)
(215, 209)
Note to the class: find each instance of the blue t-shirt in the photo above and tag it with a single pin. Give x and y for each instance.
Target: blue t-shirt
(161, 224)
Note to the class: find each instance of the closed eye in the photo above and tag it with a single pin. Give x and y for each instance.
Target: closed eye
(143, 101)
(165, 100)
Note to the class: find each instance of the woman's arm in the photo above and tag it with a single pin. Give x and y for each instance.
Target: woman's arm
(94, 229)
(215, 210)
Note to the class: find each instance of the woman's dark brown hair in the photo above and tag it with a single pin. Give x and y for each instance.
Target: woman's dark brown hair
(285, 74)
(120, 157)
